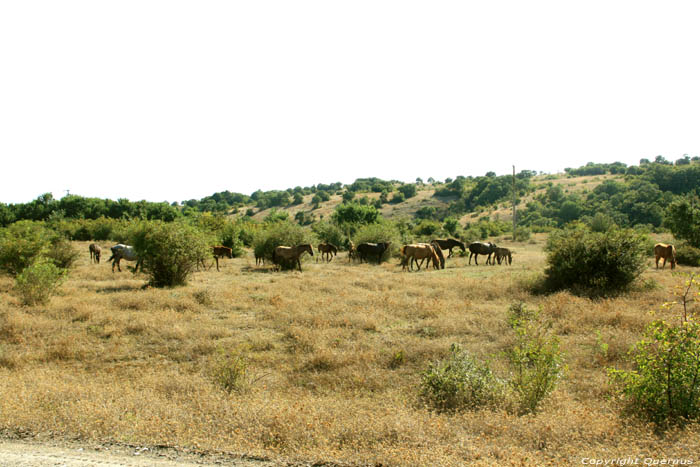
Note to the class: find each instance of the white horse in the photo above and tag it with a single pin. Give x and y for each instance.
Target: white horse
(126, 252)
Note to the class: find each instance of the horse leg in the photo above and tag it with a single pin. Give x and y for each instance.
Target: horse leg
(299, 263)
(450, 255)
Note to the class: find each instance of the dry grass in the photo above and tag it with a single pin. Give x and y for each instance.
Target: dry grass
(109, 360)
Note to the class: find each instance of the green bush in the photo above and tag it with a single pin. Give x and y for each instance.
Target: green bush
(279, 234)
(62, 253)
(329, 232)
(664, 385)
(594, 263)
(461, 382)
(535, 358)
(22, 243)
(522, 234)
(688, 255)
(36, 283)
(169, 252)
(230, 372)
(230, 236)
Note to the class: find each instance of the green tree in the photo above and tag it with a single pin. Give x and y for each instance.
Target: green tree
(683, 219)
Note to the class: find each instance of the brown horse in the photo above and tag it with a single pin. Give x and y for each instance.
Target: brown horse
(503, 254)
(438, 252)
(220, 251)
(448, 244)
(667, 252)
(95, 253)
(419, 251)
(328, 250)
(290, 254)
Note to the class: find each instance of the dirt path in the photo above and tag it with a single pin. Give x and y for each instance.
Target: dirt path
(31, 454)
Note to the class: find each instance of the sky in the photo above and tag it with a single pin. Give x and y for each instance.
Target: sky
(174, 100)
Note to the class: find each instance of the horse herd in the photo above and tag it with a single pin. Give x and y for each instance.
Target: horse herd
(364, 252)
(415, 253)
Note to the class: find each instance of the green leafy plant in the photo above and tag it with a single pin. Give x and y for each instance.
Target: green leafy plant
(535, 358)
(664, 385)
(461, 382)
(230, 371)
(38, 282)
(170, 251)
(595, 263)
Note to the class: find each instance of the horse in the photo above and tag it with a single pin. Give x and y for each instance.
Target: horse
(352, 251)
(259, 259)
(503, 254)
(480, 248)
(291, 253)
(95, 253)
(365, 250)
(420, 251)
(438, 252)
(126, 252)
(327, 249)
(665, 251)
(448, 244)
(220, 251)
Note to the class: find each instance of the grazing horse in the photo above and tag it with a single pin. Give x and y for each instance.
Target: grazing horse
(667, 252)
(259, 258)
(419, 251)
(328, 250)
(365, 250)
(480, 248)
(126, 252)
(448, 244)
(95, 253)
(438, 252)
(503, 254)
(220, 251)
(291, 254)
(352, 251)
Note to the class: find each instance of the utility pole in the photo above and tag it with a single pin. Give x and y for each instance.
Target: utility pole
(513, 203)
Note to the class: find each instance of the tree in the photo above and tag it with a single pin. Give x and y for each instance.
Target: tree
(408, 190)
(683, 218)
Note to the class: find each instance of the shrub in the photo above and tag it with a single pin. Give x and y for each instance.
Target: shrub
(664, 385)
(36, 283)
(21, 244)
(230, 372)
(460, 382)
(398, 197)
(688, 255)
(277, 234)
(594, 263)
(329, 233)
(169, 251)
(230, 236)
(62, 253)
(535, 358)
(522, 234)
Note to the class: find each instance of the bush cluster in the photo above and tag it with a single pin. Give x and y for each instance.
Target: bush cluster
(594, 263)
(169, 252)
(283, 233)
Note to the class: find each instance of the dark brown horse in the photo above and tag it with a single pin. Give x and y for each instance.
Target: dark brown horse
(503, 254)
(221, 251)
(372, 250)
(328, 250)
(290, 254)
(667, 252)
(481, 248)
(448, 244)
(95, 253)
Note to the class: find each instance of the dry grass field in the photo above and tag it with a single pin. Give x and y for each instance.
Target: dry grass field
(334, 358)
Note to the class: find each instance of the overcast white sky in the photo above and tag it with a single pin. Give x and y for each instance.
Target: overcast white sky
(173, 100)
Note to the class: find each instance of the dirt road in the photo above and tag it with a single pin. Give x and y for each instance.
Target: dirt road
(31, 454)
